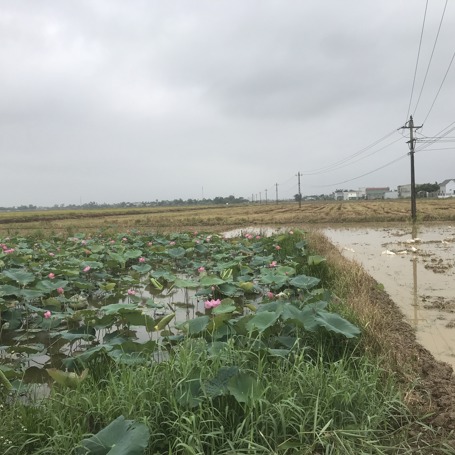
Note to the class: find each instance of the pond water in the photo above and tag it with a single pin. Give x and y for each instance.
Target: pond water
(417, 271)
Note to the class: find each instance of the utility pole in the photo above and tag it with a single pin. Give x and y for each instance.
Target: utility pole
(411, 143)
(300, 194)
(266, 196)
(276, 192)
(260, 198)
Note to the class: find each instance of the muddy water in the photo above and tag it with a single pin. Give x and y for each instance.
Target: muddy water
(417, 271)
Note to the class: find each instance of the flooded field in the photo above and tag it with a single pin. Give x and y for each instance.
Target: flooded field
(417, 271)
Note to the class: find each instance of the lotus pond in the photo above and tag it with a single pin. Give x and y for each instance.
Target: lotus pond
(185, 343)
(66, 301)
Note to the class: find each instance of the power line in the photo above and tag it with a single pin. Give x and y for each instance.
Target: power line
(440, 87)
(366, 173)
(355, 161)
(440, 135)
(418, 56)
(348, 158)
(431, 56)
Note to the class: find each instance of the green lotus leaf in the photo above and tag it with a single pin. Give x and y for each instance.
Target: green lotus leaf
(8, 289)
(210, 281)
(227, 306)
(245, 388)
(116, 308)
(50, 285)
(335, 323)
(316, 260)
(19, 276)
(196, 325)
(142, 268)
(304, 282)
(263, 320)
(180, 283)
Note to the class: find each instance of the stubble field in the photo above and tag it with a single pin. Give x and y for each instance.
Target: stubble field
(219, 218)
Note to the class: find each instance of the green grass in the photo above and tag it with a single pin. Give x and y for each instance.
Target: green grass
(307, 406)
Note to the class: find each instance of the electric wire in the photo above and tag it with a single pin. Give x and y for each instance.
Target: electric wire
(440, 87)
(366, 173)
(440, 135)
(431, 57)
(418, 56)
(355, 161)
(348, 158)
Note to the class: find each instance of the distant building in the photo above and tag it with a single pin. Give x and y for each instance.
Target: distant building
(376, 193)
(404, 191)
(345, 195)
(447, 188)
(391, 195)
(362, 193)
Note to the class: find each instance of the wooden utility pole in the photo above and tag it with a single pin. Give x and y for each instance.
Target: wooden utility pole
(266, 196)
(411, 143)
(300, 194)
(276, 192)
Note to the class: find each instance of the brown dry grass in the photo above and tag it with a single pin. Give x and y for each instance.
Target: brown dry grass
(217, 218)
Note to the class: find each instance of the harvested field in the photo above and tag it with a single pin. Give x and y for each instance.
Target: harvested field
(227, 217)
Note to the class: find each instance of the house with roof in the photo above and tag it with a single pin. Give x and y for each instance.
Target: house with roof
(447, 188)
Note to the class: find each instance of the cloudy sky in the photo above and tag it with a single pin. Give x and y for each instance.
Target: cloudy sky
(111, 101)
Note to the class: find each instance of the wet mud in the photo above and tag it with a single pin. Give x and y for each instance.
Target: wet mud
(417, 271)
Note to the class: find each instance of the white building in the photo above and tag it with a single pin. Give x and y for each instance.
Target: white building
(447, 188)
(404, 190)
(345, 195)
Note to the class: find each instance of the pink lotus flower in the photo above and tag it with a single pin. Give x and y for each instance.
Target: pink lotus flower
(258, 237)
(291, 232)
(51, 276)
(131, 292)
(172, 243)
(60, 291)
(201, 269)
(141, 259)
(270, 295)
(51, 254)
(150, 243)
(124, 239)
(47, 314)
(273, 264)
(277, 247)
(9, 251)
(208, 304)
(86, 269)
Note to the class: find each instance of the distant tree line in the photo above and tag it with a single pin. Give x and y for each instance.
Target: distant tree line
(121, 205)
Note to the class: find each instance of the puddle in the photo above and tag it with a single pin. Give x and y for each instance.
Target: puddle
(417, 270)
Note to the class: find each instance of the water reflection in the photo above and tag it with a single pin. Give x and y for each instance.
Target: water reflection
(423, 289)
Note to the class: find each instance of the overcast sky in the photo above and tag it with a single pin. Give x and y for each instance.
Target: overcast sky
(111, 101)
